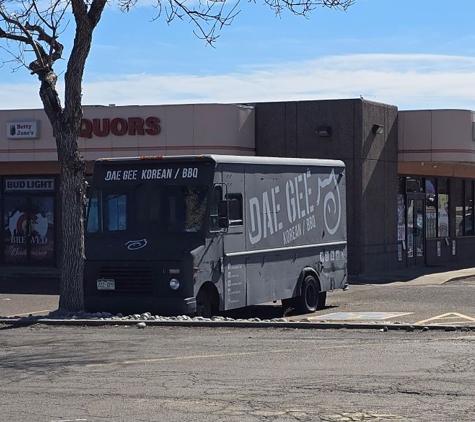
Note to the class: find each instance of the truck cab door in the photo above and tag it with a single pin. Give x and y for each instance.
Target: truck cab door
(235, 284)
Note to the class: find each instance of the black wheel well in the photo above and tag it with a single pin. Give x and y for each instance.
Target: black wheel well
(303, 275)
(211, 291)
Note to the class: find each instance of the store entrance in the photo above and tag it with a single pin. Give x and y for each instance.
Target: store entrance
(415, 229)
(28, 227)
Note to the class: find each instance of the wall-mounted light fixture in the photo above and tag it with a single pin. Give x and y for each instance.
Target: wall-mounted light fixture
(324, 131)
(377, 129)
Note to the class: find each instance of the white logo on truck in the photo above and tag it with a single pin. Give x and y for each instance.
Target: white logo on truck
(331, 203)
(133, 245)
(299, 203)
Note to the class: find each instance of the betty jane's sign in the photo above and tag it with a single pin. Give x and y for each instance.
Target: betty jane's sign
(119, 126)
(25, 129)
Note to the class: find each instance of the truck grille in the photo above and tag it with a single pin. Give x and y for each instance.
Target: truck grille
(129, 279)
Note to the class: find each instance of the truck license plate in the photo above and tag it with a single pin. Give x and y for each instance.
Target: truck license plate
(105, 284)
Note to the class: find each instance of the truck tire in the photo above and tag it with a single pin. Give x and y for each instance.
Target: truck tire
(308, 300)
(203, 305)
(207, 302)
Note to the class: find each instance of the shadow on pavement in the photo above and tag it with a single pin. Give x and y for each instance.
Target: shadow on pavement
(265, 311)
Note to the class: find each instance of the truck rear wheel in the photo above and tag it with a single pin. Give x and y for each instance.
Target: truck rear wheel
(308, 300)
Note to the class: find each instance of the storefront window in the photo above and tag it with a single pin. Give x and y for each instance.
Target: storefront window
(29, 230)
(414, 184)
(431, 210)
(410, 228)
(401, 218)
(42, 230)
(401, 186)
(459, 215)
(443, 208)
(464, 210)
(468, 208)
(28, 221)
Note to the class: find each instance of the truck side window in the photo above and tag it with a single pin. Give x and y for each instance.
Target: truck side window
(235, 209)
(195, 198)
(213, 215)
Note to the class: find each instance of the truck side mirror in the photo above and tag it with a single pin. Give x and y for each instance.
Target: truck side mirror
(223, 222)
(223, 209)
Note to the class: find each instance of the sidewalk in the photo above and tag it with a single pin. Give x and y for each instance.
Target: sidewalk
(417, 275)
(21, 280)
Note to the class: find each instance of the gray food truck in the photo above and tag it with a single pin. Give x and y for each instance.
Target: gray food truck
(200, 234)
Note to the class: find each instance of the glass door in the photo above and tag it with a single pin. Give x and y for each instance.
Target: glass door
(415, 230)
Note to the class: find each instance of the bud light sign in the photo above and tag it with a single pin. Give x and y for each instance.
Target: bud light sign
(43, 185)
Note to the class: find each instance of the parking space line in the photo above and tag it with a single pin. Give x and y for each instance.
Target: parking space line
(352, 316)
(448, 316)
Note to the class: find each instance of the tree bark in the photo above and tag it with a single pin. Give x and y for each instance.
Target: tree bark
(72, 224)
(72, 191)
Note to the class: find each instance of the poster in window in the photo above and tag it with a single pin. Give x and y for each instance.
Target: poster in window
(15, 229)
(443, 215)
(42, 230)
(431, 221)
(29, 230)
(410, 229)
(401, 219)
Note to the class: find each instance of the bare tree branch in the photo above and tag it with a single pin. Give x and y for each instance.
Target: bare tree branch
(211, 16)
(19, 29)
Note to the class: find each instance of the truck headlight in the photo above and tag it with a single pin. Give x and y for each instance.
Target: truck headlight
(174, 283)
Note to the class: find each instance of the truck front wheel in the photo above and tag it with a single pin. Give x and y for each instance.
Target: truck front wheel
(203, 306)
(207, 302)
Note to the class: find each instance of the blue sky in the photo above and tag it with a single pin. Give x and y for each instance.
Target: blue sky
(415, 54)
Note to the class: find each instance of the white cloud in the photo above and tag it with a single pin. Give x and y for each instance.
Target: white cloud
(407, 81)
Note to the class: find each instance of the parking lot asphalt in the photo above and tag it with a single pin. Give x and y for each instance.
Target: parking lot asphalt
(412, 297)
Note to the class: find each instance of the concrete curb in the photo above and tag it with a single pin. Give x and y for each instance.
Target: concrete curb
(25, 322)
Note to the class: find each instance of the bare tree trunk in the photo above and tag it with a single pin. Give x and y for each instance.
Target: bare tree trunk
(72, 171)
(72, 256)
